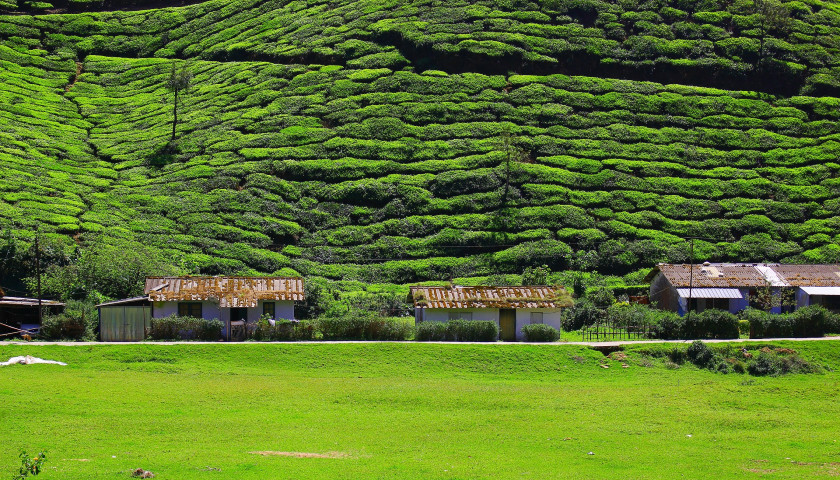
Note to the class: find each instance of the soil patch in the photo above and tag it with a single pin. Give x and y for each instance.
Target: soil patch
(269, 453)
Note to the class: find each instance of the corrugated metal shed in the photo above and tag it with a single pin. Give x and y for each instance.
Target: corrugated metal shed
(490, 297)
(709, 293)
(231, 292)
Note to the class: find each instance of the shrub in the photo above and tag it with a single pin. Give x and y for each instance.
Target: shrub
(174, 327)
(62, 327)
(283, 330)
(473, 330)
(707, 324)
(539, 332)
(457, 331)
(743, 327)
(811, 321)
(430, 332)
(765, 364)
(583, 314)
(364, 327)
(699, 354)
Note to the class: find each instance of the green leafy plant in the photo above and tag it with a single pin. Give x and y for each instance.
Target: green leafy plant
(30, 465)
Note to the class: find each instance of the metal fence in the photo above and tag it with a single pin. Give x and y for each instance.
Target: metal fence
(607, 330)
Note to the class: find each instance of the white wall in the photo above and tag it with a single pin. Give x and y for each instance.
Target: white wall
(209, 310)
(551, 317)
(442, 314)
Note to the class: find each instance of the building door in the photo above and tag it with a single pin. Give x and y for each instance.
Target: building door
(507, 324)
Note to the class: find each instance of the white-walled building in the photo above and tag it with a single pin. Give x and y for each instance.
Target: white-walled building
(229, 299)
(510, 308)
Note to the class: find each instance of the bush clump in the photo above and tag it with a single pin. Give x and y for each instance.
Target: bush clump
(364, 327)
(710, 323)
(174, 327)
(457, 331)
(62, 327)
(811, 321)
(539, 332)
(283, 331)
(764, 361)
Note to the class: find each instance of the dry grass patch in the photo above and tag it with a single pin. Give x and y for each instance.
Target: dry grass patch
(270, 453)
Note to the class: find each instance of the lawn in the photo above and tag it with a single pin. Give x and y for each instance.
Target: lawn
(383, 410)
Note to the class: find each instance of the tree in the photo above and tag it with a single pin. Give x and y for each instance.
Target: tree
(513, 157)
(179, 80)
(772, 15)
(536, 275)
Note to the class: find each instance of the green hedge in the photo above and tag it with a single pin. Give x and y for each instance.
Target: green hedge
(174, 327)
(457, 331)
(538, 332)
(364, 327)
(708, 324)
(811, 321)
(284, 331)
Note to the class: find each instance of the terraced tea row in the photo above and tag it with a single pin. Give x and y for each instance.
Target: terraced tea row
(772, 46)
(394, 175)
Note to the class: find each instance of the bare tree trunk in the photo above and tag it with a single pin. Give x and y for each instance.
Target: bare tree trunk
(174, 115)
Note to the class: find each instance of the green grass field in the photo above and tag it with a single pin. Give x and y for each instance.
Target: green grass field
(411, 411)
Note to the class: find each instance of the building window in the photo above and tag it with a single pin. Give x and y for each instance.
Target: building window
(268, 309)
(189, 309)
(460, 315)
(718, 303)
(536, 317)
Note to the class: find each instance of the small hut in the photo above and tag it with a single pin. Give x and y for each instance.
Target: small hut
(125, 320)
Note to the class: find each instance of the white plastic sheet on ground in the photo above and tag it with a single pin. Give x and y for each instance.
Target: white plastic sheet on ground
(28, 360)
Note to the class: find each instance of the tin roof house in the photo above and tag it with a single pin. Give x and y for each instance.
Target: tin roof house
(510, 308)
(236, 301)
(735, 286)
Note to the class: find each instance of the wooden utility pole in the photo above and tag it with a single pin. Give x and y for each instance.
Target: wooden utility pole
(690, 280)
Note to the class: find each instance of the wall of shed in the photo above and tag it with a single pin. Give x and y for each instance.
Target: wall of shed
(802, 298)
(120, 323)
(283, 309)
(663, 295)
(442, 314)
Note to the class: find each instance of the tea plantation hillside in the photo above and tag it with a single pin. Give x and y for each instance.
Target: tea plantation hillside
(405, 141)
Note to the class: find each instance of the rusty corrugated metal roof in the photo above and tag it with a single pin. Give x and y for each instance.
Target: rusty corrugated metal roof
(28, 302)
(490, 297)
(231, 292)
(809, 275)
(714, 275)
